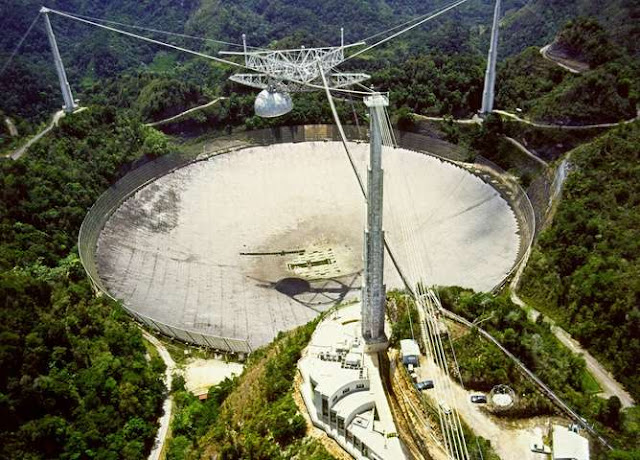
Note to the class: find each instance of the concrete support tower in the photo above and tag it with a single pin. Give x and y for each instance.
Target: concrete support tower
(374, 292)
(69, 103)
(488, 94)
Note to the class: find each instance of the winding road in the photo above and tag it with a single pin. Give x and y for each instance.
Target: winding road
(167, 406)
(564, 63)
(610, 386)
(476, 120)
(513, 116)
(21, 151)
(186, 112)
(568, 127)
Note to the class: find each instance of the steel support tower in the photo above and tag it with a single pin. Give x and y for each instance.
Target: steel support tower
(488, 93)
(374, 291)
(69, 103)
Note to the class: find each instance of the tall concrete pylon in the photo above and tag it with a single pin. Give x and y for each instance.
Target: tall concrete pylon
(488, 94)
(374, 290)
(69, 103)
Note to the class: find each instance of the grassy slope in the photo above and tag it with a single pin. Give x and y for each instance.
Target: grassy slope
(256, 417)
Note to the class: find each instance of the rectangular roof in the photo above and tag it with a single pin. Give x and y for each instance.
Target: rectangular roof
(568, 445)
(409, 347)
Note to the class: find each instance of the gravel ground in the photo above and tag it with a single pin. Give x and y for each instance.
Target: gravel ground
(201, 374)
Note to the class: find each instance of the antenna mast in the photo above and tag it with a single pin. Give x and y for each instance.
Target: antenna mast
(69, 103)
(374, 298)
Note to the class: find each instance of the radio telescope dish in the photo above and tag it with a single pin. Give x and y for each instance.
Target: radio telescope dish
(271, 104)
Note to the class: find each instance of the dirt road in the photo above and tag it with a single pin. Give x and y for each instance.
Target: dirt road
(523, 149)
(13, 131)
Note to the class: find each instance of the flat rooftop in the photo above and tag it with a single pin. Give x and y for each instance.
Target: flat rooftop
(341, 327)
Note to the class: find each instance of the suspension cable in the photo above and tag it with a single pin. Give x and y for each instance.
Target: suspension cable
(391, 29)
(147, 39)
(175, 34)
(197, 53)
(15, 50)
(343, 137)
(406, 29)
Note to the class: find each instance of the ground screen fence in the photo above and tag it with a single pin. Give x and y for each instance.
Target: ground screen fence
(113, 197)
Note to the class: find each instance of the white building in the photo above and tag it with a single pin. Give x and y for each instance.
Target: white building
(343, 391)
(569, 445)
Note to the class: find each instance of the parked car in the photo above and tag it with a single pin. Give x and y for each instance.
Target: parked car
(478, 399)
(445, 408)
(540, 448)
(424, 385)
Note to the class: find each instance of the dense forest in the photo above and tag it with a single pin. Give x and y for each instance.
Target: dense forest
(584, 270)
(437, 69)
(75, 381)
(46, 195)
(608, 92)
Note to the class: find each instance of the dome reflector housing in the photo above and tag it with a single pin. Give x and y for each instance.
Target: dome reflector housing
(271, 104)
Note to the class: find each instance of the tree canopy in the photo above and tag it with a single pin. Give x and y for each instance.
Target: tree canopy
(584, 270)
(75, 380)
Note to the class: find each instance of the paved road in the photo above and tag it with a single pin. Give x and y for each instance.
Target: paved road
(562, 63)
(476, 120)
(610, 386)
(21, 151)
(13, 132)
(165, 420)
(530, 375)
(182, 114)
(568, 127)
(607, 382)
(530, 154)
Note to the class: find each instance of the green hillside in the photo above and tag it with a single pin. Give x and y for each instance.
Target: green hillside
(75, 380)
(253, 416)
(536, 22)
(447, 54)
(583, 271)
(608, 92)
